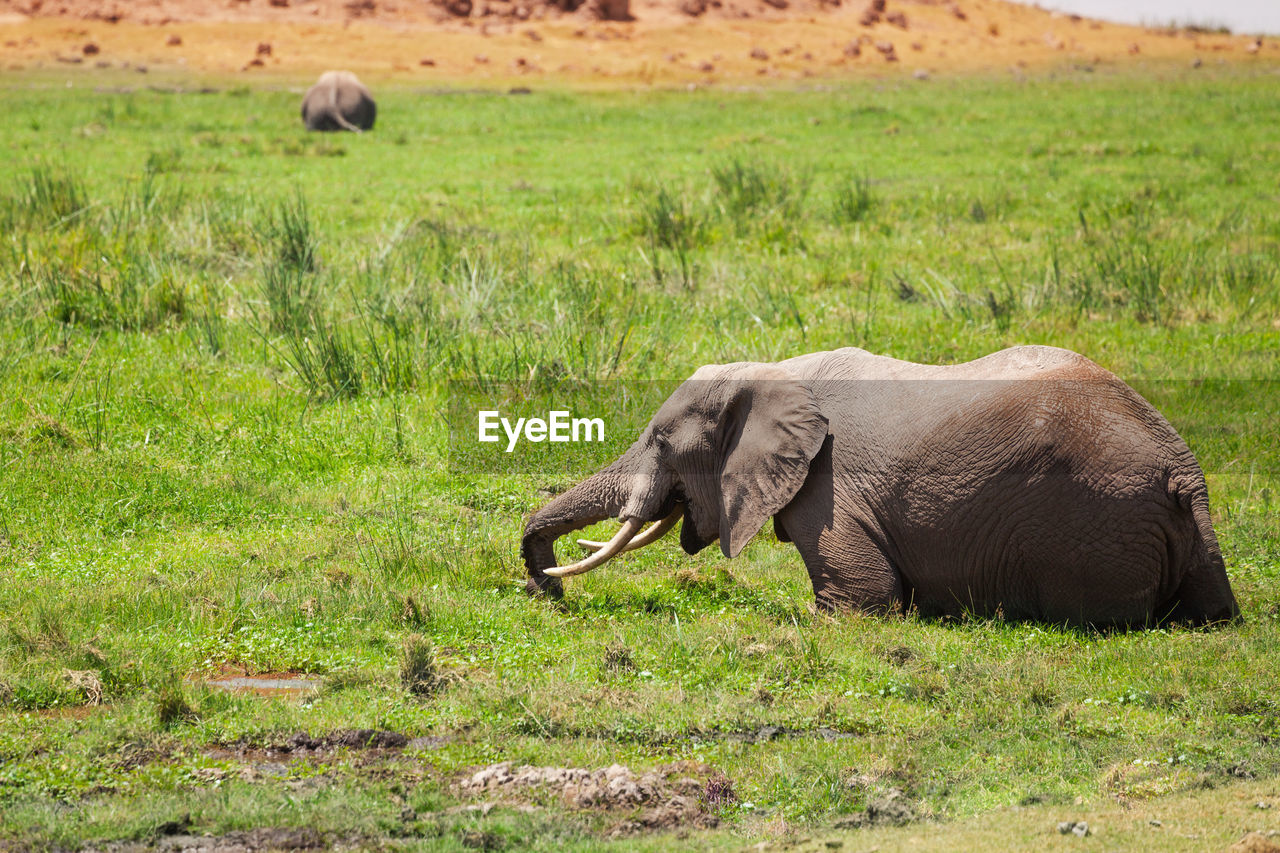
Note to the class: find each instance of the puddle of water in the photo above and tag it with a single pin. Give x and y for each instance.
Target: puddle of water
(266, 685)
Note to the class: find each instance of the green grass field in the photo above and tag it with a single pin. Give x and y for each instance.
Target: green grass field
(227, 350)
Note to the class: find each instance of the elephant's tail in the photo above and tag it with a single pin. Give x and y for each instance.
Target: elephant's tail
(1204, 594)
(335, 112)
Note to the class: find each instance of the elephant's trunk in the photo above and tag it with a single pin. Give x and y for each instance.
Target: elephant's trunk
(599, 497)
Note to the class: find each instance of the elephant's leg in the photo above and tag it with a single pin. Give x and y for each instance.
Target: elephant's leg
(849, 571)
(1204, 596)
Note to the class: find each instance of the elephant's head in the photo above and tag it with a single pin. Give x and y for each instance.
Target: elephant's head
(727, 450)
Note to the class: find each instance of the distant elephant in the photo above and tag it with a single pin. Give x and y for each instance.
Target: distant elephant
(1030, 483)
(338, 101)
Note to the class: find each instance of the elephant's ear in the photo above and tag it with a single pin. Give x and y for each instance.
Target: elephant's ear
(772, 430)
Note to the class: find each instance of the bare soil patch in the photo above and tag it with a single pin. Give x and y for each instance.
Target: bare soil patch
(648, 42)
(681, 795)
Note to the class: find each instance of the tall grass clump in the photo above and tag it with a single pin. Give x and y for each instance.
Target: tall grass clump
(325, 358)
(51, 197)
(94, 417)
(753, 190)
(170, 703)
(1247, 279)
(208, 331)
(854, 200)
(289, 285)
(438, 244)
(1125, 264)
(291, 297)
(418, 672)
(670, 221)
(131, 289)
(392, 554)
(290, 237)
(389, 365)
(335, 362)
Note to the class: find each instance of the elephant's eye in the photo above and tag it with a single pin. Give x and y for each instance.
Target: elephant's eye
(660, 441)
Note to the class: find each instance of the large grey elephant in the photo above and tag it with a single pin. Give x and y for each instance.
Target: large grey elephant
(1031, 482)
(338, 101)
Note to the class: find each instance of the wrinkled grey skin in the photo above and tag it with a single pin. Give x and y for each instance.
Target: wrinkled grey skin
(1031, 482)
(338, 101)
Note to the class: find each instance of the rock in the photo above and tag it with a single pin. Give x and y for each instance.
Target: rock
(609, 10)
(760, 53)
(853, 50)
(886, 49)
(282, 4)
(921, 74)
(1077, 828)
(898, 19)
(693, 8)
(264, 48)
(427, 62)
(174, 40)
(957, 12)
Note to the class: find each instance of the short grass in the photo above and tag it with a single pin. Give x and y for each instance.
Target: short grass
(227, 350)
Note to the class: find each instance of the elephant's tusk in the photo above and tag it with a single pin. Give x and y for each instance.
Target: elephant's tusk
(630, 528)
(648, 537)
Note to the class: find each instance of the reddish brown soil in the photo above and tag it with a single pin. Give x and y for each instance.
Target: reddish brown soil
(508, 40)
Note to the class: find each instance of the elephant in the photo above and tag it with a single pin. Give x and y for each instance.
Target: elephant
(1030, 483)
(338, 101)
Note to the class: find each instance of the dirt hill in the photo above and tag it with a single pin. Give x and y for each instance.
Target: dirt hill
(626, 41)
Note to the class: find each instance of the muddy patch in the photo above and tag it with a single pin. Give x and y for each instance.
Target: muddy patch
(672, 796)
(243, 841)
(376, 742)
